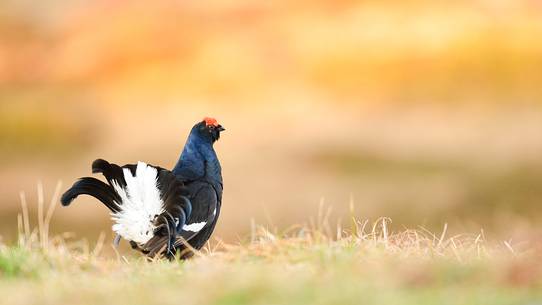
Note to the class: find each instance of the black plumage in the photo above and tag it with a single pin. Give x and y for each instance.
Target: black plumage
(94, 187)
(162, 212)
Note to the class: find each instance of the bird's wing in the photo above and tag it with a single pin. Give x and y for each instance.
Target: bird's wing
(204, 205)
(177, 208)
(205, 208)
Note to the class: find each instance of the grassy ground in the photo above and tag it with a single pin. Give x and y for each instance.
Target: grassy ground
(353, 270)
(314, 264)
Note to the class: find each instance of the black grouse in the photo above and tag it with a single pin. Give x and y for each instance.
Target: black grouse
(162, 212)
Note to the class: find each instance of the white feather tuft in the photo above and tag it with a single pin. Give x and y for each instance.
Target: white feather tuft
(140, 204)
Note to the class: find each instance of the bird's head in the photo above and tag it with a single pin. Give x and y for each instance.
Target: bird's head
(208, 130)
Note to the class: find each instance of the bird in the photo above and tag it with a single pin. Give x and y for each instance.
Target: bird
(161, 212)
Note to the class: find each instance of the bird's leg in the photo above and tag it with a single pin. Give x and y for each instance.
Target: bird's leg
(116, 241)
(168, 249)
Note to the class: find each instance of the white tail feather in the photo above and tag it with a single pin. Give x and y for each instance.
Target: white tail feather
(140, 204)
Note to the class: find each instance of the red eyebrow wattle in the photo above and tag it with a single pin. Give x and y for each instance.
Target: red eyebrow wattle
(210, 121)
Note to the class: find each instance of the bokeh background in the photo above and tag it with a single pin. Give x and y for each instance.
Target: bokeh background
(428, 112)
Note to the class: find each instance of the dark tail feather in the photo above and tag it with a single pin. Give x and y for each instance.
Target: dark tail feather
(95, 188)
(112, 172)
(156, 245)
(100, 166)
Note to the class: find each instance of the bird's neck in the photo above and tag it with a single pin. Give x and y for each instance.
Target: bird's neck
(198, 161)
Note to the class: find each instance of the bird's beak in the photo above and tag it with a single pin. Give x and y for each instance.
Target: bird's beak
(220, 128)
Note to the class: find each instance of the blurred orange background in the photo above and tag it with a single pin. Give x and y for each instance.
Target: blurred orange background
(427, 112)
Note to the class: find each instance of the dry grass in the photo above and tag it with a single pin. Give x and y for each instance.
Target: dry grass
(309, 264)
